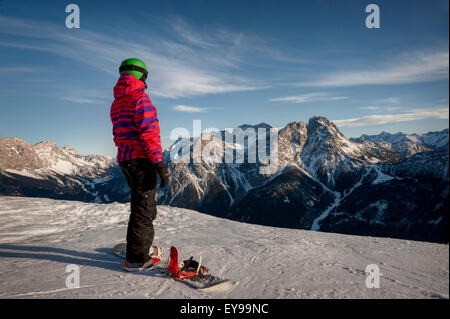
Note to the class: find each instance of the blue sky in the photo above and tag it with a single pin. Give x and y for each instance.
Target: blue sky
(224, 62)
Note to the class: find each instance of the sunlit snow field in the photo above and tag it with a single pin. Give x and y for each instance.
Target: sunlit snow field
(40, 237)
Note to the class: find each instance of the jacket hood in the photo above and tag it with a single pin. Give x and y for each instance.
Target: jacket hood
(128, 85)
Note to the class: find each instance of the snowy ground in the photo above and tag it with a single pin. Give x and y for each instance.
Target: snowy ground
(40, 237)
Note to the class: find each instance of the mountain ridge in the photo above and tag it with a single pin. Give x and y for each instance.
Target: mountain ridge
(45, 170)
(319, 183)
(322, 159)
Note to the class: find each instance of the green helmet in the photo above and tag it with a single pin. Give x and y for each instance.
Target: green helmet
(135, 67)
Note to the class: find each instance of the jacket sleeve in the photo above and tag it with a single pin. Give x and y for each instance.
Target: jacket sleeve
(146, 121)
(115, 139)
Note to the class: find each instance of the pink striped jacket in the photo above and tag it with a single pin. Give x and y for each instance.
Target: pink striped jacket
(135, 122)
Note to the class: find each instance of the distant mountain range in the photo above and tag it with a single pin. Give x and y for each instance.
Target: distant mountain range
(390, 185)
(384, 185)
(45, 170)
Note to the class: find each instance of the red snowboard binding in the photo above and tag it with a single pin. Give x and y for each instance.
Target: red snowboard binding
(188, 269)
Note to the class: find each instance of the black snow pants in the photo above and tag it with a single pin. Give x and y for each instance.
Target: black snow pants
(141, 178)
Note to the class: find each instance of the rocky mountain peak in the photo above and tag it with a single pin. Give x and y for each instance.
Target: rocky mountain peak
(17, 154)
(46, 143)
(291, 140)
(70, 149)
(319, 120)
(321, 128)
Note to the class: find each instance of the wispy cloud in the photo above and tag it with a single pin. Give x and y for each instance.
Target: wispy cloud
(185, 32)
(234, 48)
(411, 115)
(382, 108)
(183, 63)
(22, 70)
(80, 100)
(386, 104)
(189, 109)
(389, 100)
(309, 97)
(87, 96)
(413, 68)
(21, 45)
(370, 108)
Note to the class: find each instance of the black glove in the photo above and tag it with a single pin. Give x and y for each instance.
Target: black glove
(163, 173)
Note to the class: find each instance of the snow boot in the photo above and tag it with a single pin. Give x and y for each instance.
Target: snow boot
(155, 251)
(134, 267)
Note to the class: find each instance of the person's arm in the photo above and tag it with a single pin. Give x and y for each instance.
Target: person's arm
(116, 141)
(146, 120)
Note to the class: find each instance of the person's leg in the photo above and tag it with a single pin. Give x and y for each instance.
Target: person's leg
(141, 178)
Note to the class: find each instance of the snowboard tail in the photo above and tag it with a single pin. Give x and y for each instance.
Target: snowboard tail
(209, 283)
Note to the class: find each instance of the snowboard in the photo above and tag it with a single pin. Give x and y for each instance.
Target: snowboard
(203, 281)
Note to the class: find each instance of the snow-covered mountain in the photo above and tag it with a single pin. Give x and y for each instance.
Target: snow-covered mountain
(324, 181)
(45, 170)
(394, 185)
(40, 237)
(409, 144)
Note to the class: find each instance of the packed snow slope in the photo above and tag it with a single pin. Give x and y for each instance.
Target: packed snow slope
(40, 237)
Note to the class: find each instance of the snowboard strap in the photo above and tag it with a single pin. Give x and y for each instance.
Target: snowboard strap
(190, 268)
(199, 266)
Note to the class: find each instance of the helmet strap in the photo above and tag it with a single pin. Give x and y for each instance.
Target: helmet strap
(131, 67)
